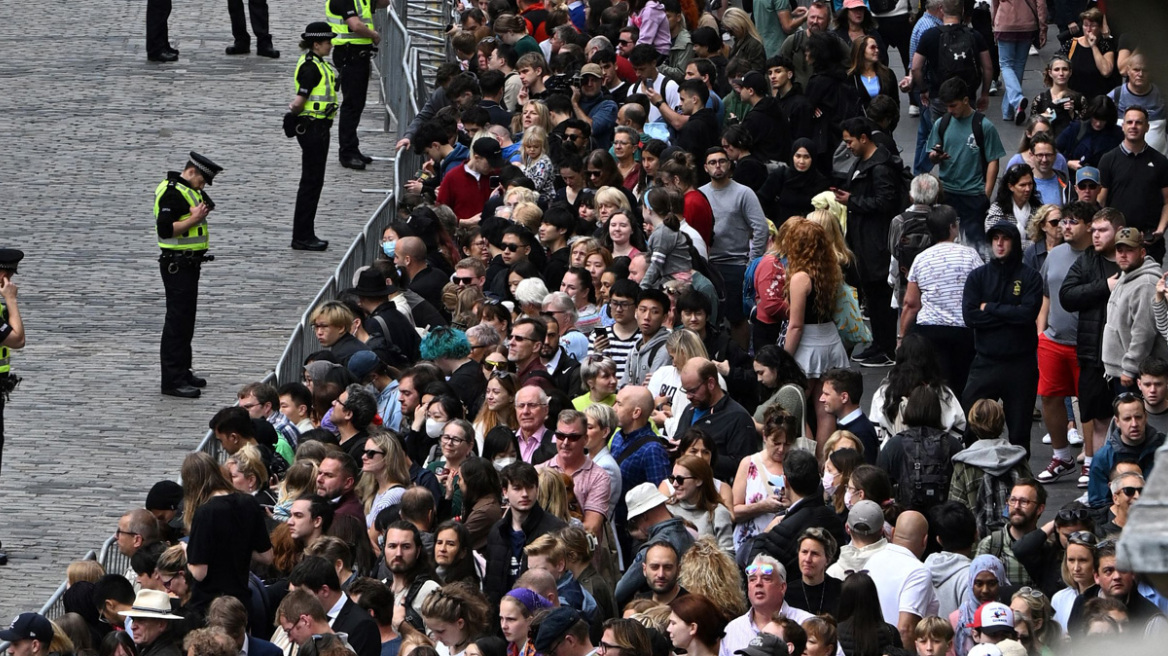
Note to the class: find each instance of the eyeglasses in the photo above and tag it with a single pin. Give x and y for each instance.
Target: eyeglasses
(717, 162)
(620, 304)
(459, 280)
(1019, 501)
(166, 582)
(605, 647)
(452, 440)
(1069, 221)
(1131, 491)
(680, 480)
(1073, 516)
(760, 570)
(372, 453)
(511, 247)
(249, 406)
(341, 403)
(119, 533)
(523, 338)
(571, 437)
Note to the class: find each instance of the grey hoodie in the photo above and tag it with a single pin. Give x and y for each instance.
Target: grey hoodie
(950, 572)
(1130, 335)
(645, 359)
(996, 456)
(853, 559)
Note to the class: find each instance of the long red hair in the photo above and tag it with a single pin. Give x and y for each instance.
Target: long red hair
(809, 250)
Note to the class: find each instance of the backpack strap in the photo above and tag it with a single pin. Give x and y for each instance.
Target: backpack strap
(978, 135)
(635, 446)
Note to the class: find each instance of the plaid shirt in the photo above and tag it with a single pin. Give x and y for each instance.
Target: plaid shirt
(285, 428)
(648, 463)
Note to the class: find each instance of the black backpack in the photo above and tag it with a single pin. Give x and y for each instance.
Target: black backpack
(992, 496)
(914, 239)
(928, 468)
(978, 135)
(957, 56)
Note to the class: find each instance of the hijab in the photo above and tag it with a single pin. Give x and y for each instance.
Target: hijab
(983, 563)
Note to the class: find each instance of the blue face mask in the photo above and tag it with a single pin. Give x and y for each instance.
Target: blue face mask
(389, 247)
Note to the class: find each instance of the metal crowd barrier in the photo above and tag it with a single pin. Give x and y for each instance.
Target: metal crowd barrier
(402, 73)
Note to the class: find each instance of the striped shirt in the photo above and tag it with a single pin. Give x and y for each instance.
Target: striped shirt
(940, 271)
(618, 349)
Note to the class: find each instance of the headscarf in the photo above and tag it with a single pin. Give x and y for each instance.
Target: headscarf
(983, 563)
(531, 600)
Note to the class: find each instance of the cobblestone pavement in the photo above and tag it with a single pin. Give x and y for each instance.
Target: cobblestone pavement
(93, 127)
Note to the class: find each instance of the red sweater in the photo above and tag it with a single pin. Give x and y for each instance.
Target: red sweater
(462, 193)
(700, 215)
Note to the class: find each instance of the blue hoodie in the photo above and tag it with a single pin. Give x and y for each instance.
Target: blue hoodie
(1012, 294)
(1144, 453)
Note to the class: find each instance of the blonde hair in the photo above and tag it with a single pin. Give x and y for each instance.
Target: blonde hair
(835, 235)
(301, 478)
(707, 570)
(614, 197)
(544, 120)
(61, 642)
(656, 618)
(335, 314)
(548, 546)
(687, 344)
(250, 462)
(528, 215)
(397, 468)
(554, 495)
(83, 570)
(531, 136)
(737, 22)
(829, 445)
(933, 628)
(521, 194)
(1034, 228)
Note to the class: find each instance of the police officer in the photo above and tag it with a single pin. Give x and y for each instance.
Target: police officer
(11, 337)
(314, 106)
(352, 22)
(180, 210)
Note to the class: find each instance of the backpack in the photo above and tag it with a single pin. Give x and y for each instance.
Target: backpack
(978, 135)
(992, 498)
(928, 467)
(914, 239)
(957, 56)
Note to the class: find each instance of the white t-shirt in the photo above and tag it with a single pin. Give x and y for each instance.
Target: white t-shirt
(666, 382)
(903, 583)
(940, 271)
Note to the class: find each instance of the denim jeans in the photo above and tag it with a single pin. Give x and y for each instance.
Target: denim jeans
(971, 214)
(1012, 55)
(929, 116)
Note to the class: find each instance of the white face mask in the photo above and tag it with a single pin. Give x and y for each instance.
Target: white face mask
(434, 427)
(500, 463)
(828, 486)
(848, 499)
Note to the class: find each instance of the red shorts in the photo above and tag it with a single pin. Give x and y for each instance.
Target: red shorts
(1058, 368)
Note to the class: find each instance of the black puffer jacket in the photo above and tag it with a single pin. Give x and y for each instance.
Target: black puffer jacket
(497, 581)
(1001, 302)
(1085, 290)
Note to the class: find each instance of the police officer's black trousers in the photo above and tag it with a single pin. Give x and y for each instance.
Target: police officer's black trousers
(258, 9)
(180, 277)
(157, 33)
(1, 433)
(314, 147)
(1015, 382)
(353, 65)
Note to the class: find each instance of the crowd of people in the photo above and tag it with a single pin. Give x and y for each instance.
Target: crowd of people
(596, 393)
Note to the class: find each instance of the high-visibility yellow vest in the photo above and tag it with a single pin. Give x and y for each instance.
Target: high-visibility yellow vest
(5, 352)
(322, 99)
(345, 36)
(197, 237)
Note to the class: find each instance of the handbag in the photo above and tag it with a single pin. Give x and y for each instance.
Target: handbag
(848, 320)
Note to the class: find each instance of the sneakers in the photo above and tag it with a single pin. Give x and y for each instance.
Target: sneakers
(914, 111)
(1073, 437)
(1084, 475)
(1033, 51)
(995, 87)
(878, 360)
(869, 351)
(1055, 470)
(1046, 439)
(1020, 115)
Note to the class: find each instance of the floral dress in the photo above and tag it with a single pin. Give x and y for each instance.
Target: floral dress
(543, 174)
(758, 487)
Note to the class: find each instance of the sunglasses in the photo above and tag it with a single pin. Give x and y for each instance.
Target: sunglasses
(680, 480)
(512, 247)
(1131, 491)
(1087, 185)
(760, 570)
(1083, 539)
(501, 374)
(494, 366)
(373, 453)
(523, 338)
(571, 437)
(459, 280)
(1073, 516)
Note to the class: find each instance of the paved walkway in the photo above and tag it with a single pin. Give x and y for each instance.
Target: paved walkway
(92, 128)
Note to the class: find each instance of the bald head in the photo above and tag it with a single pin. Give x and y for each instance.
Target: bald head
(633, 406)
(911, 532)
(413, 249)
(539, 581)
(700, 367)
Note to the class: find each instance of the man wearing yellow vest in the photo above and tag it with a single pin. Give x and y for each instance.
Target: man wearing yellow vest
(180, 212)
(11, 337)
(352, 23)
(313, 107)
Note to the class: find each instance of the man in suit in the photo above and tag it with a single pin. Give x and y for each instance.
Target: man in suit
(229, 614)
(842, 389)
(318, 576)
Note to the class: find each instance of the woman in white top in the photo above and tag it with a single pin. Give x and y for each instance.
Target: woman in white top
(385, 476)
(698, 502)
(1079, 561)
(665, 383)
(916, 364)
(759, 483)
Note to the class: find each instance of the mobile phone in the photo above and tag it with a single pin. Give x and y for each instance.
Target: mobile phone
(494, 181)
(938, 148)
